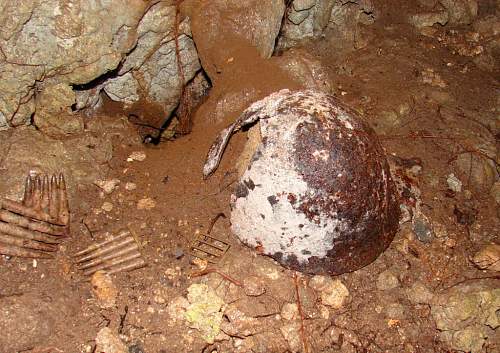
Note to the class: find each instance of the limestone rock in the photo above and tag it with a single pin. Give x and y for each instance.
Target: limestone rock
(107, 342)
(306, 21)
(150, 70)
(62, 42)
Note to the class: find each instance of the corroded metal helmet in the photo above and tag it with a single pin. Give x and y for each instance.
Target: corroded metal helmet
(317, 195)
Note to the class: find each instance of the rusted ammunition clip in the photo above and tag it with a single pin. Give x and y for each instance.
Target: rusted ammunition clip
(35, 226)
(118, 254)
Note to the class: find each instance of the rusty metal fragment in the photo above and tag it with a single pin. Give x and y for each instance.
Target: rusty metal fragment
(35, 226)
(318, 195)
(208, 248)
(118, 254)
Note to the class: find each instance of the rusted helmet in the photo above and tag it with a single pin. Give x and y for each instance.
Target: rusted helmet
(317, 195)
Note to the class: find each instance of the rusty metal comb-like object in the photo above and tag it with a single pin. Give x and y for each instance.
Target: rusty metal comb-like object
(34, 227)
(208, 248)
(118, 254)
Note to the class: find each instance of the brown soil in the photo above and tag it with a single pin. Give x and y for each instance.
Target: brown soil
(382, 76)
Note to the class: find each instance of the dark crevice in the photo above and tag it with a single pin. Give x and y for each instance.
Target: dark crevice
(98, 80)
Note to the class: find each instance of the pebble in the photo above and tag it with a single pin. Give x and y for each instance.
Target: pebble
(290, 311)
(107, 341)
(146, 204)
(107, 206)
(136, 156)
(387, 280)
(130, 186)
(108, 186)
(454, 184)
(335, 295)
(422, 229)
(178, 253)
(104, 289)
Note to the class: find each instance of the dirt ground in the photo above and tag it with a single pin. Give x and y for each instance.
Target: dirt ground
(429, 105)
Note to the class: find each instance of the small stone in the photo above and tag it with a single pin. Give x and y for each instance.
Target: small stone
(136, 156)
(422, 228)
(104, 289)
(319, 283)
(107, 341)
(454, 184)
(107, 206)
(387, 280)
(178, 253)
(335, 295)
(146, 204)
(488, 258)
(418, 293)
(108, 186)
(130, 186)
(253, 286)
(290, 311)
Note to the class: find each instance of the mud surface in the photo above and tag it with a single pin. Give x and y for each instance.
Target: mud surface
(441, 122)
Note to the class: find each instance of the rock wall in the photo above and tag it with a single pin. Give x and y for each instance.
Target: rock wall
(306, 19)
(52, 47)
